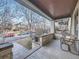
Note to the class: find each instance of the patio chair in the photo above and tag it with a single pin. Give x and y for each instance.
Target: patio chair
(66, 41)
(74, 48)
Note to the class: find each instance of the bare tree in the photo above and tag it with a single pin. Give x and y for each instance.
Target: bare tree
(6, 19)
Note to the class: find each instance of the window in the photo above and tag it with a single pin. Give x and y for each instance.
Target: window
(16, 20)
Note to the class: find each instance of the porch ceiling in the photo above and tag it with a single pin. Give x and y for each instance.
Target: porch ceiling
(56, 8)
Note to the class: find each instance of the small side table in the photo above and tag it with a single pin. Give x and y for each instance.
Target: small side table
(6, 51)
(45, 39)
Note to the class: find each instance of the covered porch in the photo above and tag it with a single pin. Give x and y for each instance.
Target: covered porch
(53, 34)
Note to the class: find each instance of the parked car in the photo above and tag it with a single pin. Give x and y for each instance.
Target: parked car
(9, 35)
(23, 33)
(26, 33)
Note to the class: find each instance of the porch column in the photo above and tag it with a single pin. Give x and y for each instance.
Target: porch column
(52, 27)
(69, 25)
(78, 23)
(73, 25)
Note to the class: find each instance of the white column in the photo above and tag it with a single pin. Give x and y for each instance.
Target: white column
(52, 27)
(78, 23)
(73, 26)
(69, 25)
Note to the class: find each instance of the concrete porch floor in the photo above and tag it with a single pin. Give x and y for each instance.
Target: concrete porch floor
(52, 51)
